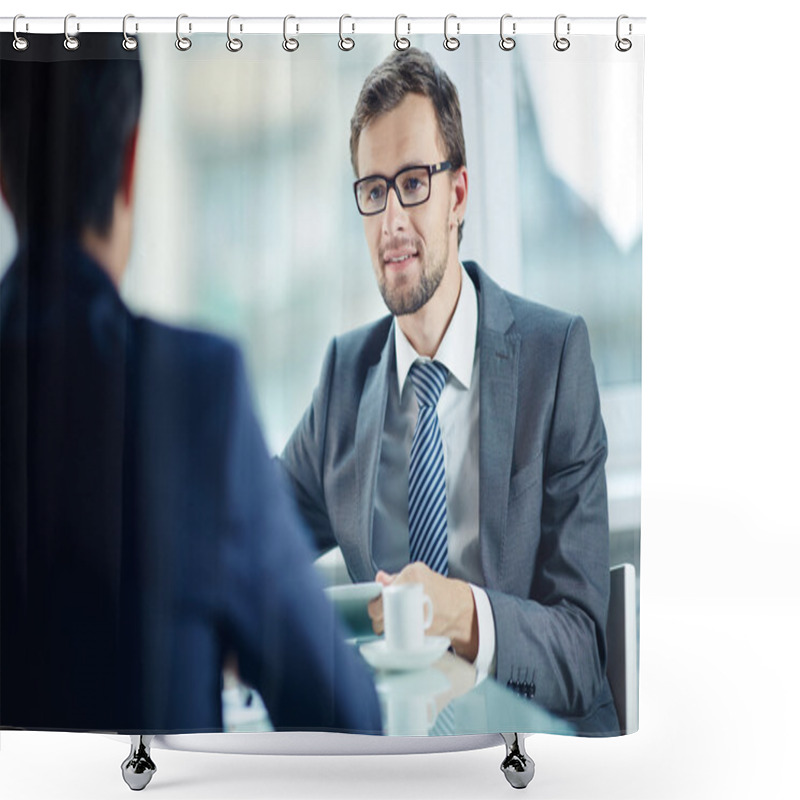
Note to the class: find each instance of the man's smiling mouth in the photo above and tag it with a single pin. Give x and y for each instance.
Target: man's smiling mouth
(398, 259)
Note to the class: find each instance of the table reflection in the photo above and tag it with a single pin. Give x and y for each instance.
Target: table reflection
(447, 698)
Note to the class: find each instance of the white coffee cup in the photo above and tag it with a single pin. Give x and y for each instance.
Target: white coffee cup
(407, 614)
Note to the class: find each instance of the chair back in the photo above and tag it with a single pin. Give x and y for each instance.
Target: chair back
(622, 646)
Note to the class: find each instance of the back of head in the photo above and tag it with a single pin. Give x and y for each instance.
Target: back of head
(65, 120)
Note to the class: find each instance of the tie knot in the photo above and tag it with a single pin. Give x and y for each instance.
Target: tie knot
(428, 378)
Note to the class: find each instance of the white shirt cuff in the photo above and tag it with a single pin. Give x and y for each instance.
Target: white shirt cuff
(485, 662)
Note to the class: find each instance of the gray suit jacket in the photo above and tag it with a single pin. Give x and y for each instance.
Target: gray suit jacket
(543, 505)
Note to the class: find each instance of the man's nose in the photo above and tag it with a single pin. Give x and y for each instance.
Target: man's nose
(395, 217)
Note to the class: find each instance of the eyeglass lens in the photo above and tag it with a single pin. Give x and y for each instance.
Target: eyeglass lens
(413, 186)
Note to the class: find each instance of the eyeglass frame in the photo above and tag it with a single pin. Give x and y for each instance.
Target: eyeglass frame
(391, 183)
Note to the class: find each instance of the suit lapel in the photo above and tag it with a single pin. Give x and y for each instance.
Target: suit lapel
(499, 359)
(369, 436)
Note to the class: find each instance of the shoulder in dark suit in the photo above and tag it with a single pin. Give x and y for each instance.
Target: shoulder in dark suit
(145, 532)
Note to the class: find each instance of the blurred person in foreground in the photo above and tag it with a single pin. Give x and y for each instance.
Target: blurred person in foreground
(458, 442)
(145, 533)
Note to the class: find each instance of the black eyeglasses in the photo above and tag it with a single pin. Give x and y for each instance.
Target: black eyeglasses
(412, 186)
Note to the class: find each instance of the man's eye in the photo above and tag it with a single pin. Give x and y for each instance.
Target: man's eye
(376, 192)
(412, 185)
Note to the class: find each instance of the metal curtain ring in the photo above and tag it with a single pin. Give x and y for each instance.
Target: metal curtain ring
(346, 43)
(451, 42)
(70, 42)
(289, 45)
(561, 43)
(623, 45)
(401, 43)
(506, 42)
(20, 42)
(182, 42)
(234, 45)
(128, 42)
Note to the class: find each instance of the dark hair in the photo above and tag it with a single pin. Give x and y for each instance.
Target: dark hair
(404, 72)
(65, 120)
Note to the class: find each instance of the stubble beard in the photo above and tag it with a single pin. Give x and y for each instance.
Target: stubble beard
(408, 298)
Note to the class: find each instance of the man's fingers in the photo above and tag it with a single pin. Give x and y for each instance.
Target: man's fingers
(384, 578)
(416, 572)
(375, 611)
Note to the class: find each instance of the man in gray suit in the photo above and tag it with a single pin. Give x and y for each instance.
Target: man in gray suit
(458, 442)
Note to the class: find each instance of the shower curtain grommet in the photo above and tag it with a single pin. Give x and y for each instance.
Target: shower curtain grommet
(234, 45)
(451, 43)
(623, 44)
(507, 42)
(183, 43)
(129, 43)
(289, 44)
(20, 42)
(561, 43)
(71, 43)
(401, 42)
(345, 42)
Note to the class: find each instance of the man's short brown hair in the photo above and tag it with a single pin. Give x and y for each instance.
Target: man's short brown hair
(411, 71)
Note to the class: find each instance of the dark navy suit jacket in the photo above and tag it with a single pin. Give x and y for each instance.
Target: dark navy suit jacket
(145, 532)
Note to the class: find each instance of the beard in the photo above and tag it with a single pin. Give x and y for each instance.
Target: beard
(409, 296)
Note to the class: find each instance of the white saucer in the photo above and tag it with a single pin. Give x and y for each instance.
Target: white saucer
(379, 656)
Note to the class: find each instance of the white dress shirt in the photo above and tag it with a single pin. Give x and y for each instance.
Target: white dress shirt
(459, 413)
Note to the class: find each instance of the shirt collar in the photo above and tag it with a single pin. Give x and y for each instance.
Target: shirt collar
(457, 348)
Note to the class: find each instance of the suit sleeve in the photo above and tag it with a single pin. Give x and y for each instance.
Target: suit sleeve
(302, 459)
(551, 645)
(275, 615)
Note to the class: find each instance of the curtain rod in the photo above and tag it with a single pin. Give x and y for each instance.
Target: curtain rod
(349, 25)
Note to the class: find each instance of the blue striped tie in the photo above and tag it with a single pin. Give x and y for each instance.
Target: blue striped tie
(445, 722)
(427, 493)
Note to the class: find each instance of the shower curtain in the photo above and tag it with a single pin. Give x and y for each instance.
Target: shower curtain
(207, 428)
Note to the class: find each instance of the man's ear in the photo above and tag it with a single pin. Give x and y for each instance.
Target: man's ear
(128, 166)
(460, 191)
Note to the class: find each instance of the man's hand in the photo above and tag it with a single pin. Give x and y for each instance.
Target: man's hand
(454, 613)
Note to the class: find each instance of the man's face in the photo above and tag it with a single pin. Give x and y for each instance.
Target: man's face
(410, 247)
